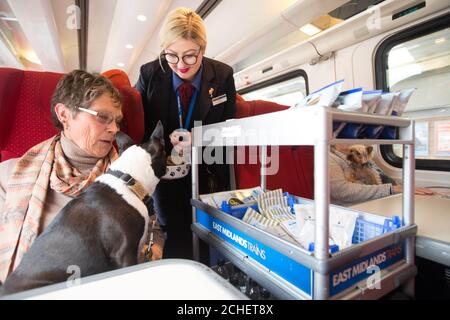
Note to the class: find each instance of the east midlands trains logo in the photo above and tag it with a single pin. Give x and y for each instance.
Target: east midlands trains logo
(369, 267)
(240, 241)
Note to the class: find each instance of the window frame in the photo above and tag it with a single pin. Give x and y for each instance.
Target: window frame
(381, 64)
(284, 77)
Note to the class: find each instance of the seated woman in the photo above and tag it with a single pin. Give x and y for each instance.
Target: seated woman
(87, 110)
(354, 177)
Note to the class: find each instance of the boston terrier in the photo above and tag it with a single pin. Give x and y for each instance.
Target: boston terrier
(102, 229)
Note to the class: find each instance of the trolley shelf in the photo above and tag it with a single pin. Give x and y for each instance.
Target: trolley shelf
(289, 271)
(298, 126)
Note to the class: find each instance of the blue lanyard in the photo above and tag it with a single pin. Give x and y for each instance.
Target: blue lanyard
(190, 110)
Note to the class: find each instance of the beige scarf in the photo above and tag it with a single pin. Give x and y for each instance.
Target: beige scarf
(42, 166)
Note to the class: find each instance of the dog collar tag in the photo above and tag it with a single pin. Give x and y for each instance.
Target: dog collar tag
(132, 184)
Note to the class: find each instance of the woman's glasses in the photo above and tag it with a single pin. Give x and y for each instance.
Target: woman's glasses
(103, 117)
(188, 59)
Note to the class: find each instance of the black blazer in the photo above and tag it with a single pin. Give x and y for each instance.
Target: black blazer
(159, 100)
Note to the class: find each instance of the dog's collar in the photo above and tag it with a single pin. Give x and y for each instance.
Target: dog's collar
(132, 184)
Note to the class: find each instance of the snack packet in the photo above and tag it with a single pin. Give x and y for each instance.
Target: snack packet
(255, 219)
(369, 101)
(399, 105)
(324, 97)
(349, 101)
(383, 108)
(342, 225)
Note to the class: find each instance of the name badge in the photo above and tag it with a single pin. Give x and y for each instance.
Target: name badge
(219, 100)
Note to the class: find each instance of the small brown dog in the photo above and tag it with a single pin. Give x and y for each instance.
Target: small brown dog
(361, 170)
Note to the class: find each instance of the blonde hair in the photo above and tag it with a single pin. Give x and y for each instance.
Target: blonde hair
(183, 23)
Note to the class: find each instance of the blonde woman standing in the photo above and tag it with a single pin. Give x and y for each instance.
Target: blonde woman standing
(178, 88)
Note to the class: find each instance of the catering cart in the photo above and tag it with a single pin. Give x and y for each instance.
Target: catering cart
(381, 257)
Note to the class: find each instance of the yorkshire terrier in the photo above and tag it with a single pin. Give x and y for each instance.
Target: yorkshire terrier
(361, 169)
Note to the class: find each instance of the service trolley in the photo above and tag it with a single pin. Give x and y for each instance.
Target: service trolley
(368, 269)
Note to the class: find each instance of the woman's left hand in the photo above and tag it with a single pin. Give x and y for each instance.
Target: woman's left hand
(424, 191)
(180, 139)
(419, 191)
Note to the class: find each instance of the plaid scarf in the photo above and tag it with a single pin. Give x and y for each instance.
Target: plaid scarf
(42, 166)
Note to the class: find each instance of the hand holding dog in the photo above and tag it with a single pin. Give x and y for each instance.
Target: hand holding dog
(182, 141)
(156, 242)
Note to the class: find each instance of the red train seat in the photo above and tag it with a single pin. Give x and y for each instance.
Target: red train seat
(25, 109)
(133, 110)
(296, 163)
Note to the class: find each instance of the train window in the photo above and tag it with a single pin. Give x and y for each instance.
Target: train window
(420, 59)
(287, 89)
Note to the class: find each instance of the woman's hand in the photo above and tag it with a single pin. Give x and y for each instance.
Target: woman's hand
(181, 141)
(424, 191)
(156, 241)
(397, 189)
(419, 191)
(157, 252)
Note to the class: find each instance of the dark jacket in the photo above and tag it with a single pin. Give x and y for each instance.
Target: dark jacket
(159, 100)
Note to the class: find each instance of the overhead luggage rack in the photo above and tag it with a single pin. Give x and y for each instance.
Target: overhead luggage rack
(371, 267)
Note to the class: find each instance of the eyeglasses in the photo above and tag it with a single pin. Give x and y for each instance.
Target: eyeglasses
(103, 117)
(189, 59)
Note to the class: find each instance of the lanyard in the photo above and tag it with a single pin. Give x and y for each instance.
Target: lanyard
(190, 110)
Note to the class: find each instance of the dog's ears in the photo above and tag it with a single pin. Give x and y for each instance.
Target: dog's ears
(158, 133)
(123, 141)
(369, 149)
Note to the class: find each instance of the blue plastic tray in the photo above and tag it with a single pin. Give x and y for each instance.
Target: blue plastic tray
(364, 230)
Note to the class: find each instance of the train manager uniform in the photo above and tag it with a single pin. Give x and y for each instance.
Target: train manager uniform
(215, 102)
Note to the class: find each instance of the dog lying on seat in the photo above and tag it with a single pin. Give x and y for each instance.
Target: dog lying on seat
(102, 229)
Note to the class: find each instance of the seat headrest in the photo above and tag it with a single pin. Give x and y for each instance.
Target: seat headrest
(239, 98)
(118, 77)
(133, 111)
(25, 119)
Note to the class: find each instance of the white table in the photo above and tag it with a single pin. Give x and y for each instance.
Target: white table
(169, 279)
(432, 216)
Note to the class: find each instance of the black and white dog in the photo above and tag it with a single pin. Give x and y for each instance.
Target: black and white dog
(102, 229)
